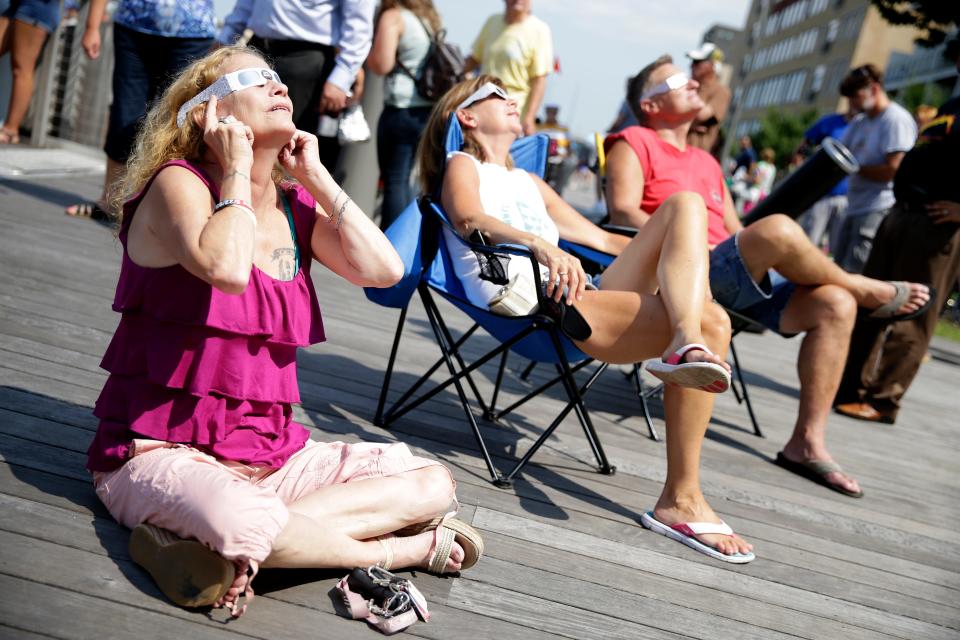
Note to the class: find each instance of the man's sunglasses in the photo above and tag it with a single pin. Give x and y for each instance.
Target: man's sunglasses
(676, 81)
(227, 84)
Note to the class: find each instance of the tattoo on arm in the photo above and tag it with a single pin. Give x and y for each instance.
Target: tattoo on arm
(236, 173)
(285, 257)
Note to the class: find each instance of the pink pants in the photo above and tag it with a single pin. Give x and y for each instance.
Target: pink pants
(236, 510)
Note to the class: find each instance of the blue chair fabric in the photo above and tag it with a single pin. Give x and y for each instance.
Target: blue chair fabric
(428, 270)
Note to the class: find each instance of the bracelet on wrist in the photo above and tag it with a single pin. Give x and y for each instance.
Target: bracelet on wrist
(237, 204)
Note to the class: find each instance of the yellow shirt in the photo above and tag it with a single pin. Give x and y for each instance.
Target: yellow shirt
(515, 53)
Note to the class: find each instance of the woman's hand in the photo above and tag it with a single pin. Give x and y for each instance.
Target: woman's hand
(564, 269)
(943, 211)
(301, 157)
(228, 139)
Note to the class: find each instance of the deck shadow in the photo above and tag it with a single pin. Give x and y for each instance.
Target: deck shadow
(504, 440)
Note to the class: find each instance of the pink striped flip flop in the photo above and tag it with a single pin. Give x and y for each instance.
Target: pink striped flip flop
(705, 376)
(686, 532)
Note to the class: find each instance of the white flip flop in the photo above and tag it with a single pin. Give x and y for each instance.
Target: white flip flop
(686, 533)
(705, 376)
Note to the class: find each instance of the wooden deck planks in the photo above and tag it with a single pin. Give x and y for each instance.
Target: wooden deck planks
(566, 556)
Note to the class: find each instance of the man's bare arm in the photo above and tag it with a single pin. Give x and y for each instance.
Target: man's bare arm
(883, 172)
(624, 189)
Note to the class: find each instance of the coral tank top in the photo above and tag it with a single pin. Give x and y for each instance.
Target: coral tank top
(191, 364)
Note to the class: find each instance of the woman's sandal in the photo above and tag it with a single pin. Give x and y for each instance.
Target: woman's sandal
(90, 210)
(9, 137)
(187, 572)
(705, 376)
(448, 530)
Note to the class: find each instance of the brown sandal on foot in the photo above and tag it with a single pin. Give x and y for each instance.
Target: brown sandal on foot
(452, 530)
(187, 572)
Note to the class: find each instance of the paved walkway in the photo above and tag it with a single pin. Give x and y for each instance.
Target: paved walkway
(566, 555)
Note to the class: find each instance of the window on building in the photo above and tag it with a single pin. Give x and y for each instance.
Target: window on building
(817, 82)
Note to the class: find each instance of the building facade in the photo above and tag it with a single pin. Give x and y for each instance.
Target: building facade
(796, 52)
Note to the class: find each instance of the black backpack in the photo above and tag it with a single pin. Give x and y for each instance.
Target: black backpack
(441, 69)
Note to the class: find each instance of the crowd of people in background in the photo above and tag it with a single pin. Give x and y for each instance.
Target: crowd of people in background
(859, 271)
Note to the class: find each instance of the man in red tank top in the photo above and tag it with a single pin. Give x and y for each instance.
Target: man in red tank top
(769, 271)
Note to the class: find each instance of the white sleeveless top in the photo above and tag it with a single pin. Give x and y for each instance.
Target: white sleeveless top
(511, 196)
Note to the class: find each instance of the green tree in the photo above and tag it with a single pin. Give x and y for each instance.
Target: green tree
(782, 132)
(936, 18)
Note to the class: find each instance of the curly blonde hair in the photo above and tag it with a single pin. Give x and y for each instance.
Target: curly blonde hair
(431, 153)
(159, 139)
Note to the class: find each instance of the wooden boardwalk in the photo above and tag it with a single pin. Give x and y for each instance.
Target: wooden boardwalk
(566, 556)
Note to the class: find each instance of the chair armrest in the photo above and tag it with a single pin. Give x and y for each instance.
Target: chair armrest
(619, 229)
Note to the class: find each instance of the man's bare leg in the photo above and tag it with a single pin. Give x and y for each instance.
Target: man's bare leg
(827, 315)
(777, 242)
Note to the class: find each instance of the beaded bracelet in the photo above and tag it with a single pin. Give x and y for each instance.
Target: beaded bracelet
(239, 204)
(340, 213)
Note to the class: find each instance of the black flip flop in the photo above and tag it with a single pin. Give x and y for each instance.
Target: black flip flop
(817, 471)
(90, 210)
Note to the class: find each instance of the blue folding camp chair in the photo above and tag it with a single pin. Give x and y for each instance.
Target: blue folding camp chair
(417, 236)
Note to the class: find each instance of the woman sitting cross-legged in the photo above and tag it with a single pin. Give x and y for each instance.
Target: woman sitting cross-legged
(651, 302)
(197, 449)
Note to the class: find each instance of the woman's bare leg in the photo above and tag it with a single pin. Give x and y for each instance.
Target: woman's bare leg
(628, 327)
(670, 255)
(26, 41)
(336, 526)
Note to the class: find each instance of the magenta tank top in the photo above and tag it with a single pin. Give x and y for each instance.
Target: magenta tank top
(194, 365)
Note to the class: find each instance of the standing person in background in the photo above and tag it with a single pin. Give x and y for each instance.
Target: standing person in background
(559, 149)
(704, 65)
(820, 220)
(919, 240)
(400, 47)
(152, 42)
(24, 27)
(746, 157)
(878, 138)
(516, 47)
(760, 180)
(318, 48)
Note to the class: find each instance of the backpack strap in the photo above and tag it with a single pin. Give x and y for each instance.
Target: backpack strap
(430, 36)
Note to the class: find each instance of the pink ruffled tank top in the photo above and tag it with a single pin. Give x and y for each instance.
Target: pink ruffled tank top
(194, 365)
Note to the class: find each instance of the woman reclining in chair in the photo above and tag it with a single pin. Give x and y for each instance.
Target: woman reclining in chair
(653, 300)
(197, 438)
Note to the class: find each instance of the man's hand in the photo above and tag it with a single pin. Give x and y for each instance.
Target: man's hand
(529, 126)
(333, 100)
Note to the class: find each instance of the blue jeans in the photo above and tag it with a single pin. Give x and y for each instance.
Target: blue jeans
(398, 134)
(144, 64)
(38, 13)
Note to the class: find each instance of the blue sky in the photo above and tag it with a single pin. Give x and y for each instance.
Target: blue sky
(599, 42)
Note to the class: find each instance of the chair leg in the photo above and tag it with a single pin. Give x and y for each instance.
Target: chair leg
(378, 417)
(642, 394)
(603, 466)
(745, 393)
(490, 415)
(433, 316)
(528, 370)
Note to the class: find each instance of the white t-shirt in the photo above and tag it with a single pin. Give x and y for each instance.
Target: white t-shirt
(511, 196)
(870, 140)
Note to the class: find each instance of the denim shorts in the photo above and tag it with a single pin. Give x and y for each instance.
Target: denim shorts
(39, 13)
(734, 288)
